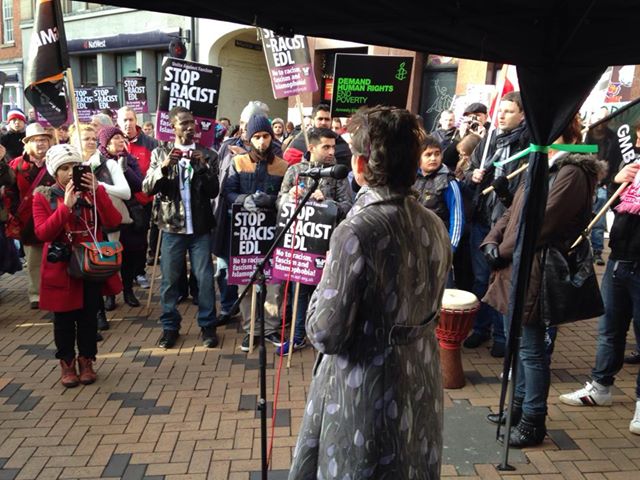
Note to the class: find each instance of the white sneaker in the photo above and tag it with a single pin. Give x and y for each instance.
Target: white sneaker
(593, 394)
(142, 281)
(634, 426)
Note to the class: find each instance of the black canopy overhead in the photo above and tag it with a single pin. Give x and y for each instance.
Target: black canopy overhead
(560, 47)
(569, 32)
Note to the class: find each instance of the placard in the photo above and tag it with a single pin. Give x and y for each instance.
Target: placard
(196, 87)
(310, 242)
(252, 233)
(135, 93)
(369, 80)
(289, 63)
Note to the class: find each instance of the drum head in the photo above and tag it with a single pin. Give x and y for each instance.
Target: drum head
(458, 300)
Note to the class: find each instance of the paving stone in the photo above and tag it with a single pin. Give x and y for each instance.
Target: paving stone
(189, 412)
(39, 351)
(273, 475)
(9, 473)
(134, 472)
(9, 389)
(562, 440)
(247, 402)
(117, 465)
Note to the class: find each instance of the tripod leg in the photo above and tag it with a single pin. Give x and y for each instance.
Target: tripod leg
(252, 328)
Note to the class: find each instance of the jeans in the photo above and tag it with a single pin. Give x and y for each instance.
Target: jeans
(533, 376)
(78, 326)
(174, 248)
(228, 293)
(304, 297)
(187, 282)
(487, 316)
(597, 233)
(33, 254)
(621, 296)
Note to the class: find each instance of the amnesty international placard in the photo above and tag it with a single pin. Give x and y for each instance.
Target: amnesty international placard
(369, 80)
(303, 251)
(251, 236)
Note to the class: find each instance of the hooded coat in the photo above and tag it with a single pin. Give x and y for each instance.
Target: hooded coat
(59, 292)
(374, 408)
(567, 214)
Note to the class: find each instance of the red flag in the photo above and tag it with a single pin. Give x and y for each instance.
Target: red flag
(508, 82)
(48, 59)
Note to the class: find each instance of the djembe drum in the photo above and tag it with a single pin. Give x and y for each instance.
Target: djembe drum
(459, 309)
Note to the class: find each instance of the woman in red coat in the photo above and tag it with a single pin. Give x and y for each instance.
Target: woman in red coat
(64, 216)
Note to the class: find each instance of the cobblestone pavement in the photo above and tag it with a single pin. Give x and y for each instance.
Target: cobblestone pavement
(189, 412)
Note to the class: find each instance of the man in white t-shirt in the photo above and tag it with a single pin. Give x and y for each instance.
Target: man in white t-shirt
(184, 176)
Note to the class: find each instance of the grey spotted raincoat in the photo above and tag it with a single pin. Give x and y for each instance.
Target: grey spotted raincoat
(375, 403)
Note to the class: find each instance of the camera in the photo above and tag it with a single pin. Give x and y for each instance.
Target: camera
(474, 122)
(58, 252)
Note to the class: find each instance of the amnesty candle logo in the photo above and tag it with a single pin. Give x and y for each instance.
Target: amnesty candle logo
(48, 59)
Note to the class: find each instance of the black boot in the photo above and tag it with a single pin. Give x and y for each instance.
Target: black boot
(516, 414)
(130, 298)
(110, 303)
(529, 432)
(103, 324)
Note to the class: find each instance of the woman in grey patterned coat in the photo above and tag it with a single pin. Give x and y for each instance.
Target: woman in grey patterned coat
(375, 404)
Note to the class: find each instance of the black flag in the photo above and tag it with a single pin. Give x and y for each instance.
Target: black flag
(48, 59)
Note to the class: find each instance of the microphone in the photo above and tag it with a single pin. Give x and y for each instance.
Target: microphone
(336, 171)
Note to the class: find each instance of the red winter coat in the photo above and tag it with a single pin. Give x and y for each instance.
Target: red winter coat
(141, 147)
(59, 292)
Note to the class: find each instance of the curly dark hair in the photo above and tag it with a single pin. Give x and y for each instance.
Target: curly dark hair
(390, 138)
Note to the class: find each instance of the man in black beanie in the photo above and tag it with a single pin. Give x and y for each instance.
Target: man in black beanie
(254, 182)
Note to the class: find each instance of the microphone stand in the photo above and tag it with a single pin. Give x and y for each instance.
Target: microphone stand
(258, 278)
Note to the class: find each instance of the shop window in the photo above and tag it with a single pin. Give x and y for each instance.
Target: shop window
(125, 67)
(89, 71)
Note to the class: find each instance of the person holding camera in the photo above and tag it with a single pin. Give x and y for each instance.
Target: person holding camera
(474, 120)
(184, 175)
(65, 215)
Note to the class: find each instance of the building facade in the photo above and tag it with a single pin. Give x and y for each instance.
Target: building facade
(108, 43)
(11, 55)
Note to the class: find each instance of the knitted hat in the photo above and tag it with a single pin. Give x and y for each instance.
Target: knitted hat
(258, 123)
(106, 133)
(254, 107)
(16, 113)
(278, 120)
(60, 154)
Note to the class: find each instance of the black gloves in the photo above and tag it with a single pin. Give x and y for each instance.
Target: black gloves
(249, 204)
(257, 200)
(262, 200)
(501, 187)
(492, 256)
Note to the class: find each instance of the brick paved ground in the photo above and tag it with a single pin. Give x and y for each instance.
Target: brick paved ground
(188, 413)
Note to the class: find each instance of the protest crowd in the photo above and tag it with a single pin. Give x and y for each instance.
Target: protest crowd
(150, 202)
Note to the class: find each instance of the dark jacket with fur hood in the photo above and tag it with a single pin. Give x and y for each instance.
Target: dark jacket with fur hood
(567, 213)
